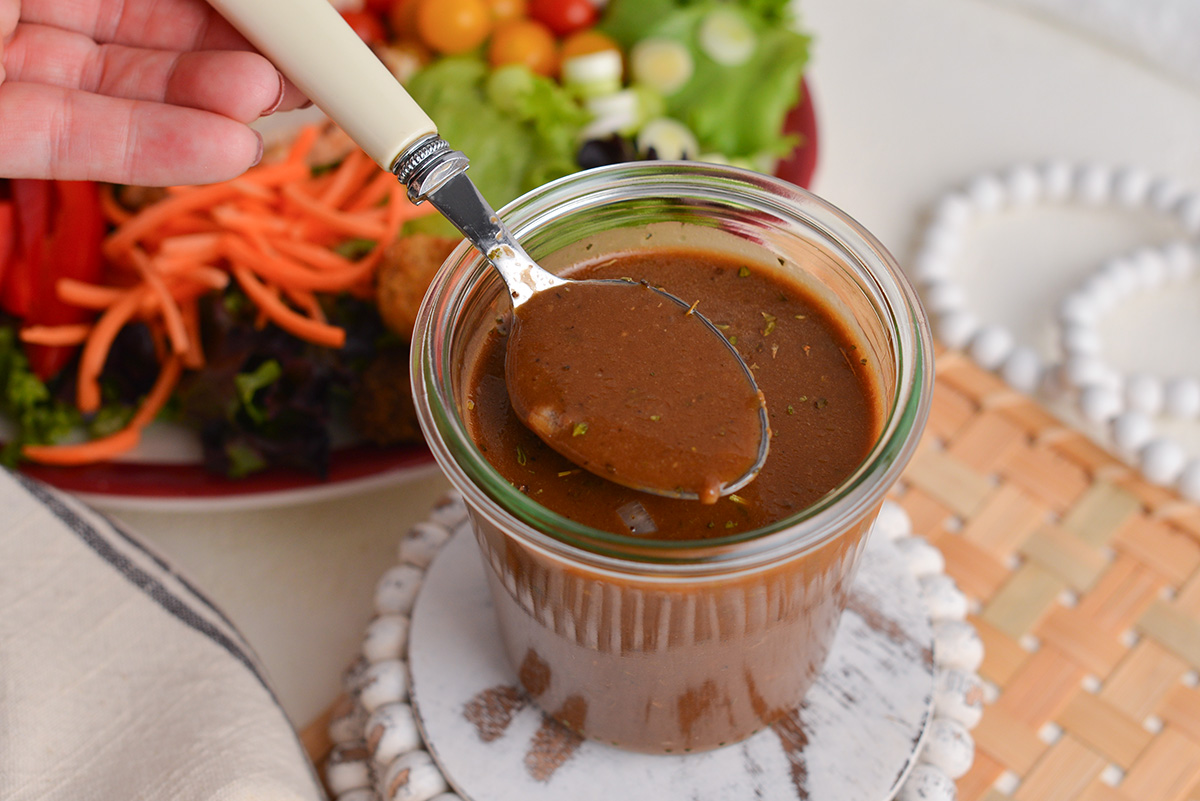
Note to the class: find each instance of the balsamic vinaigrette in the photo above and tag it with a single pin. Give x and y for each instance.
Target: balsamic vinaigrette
(820, 396)
(627, 382)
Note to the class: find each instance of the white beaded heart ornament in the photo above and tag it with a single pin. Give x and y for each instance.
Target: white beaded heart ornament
(1122, 406)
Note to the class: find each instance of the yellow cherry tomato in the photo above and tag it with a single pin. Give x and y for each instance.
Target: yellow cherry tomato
(508, 9)
(524, 41)
(585, 43)
(453, 26)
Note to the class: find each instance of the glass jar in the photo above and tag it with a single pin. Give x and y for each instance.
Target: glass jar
(674, 646)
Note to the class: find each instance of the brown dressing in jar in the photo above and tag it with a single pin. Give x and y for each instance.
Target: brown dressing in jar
(820, 399)
(695, 661)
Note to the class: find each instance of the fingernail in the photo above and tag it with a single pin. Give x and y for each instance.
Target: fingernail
(261, 147)
(271, 109)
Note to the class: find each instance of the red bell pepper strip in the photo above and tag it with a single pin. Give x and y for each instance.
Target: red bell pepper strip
(60, 227)
(31, 207)
(8, 236)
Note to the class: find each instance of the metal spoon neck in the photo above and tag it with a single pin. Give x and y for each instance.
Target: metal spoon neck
(432, 171)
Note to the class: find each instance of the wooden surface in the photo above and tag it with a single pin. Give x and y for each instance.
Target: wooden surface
(1085, 587)
(854, 738)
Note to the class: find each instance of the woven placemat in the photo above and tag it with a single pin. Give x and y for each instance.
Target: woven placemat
(1085, 587)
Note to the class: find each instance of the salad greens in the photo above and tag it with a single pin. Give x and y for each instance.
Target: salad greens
(736, 110)
(522, 130)
(27, 401)
(519, 129)
(269, 398)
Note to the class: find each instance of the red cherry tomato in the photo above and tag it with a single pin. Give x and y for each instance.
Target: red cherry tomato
(564, 17)
(379, 6)
(368, 26)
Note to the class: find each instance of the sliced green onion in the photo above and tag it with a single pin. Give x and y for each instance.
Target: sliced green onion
(726, 37)
(593, 74)
(670, 139)
(619, 112)
(662, 64)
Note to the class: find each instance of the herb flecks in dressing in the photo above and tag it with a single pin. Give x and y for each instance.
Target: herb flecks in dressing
(633, 386)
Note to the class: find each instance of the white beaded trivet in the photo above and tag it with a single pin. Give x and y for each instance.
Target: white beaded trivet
(879, 687)
(1122, 406)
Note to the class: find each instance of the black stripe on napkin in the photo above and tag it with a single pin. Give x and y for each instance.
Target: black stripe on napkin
(163, 565)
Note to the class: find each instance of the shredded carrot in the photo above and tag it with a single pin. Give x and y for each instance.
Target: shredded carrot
(302, 145)
(113, 210)
(200, 247)
(193, 358)
(172, 317)
(56, 335)
(264, 261)
(304, 327)
(95, 350)
(348, 178)
(152, 217)
(374, 192)
(272, 229)
(312, 255)
(85, 295)
(307, 301)
(159, 394)
(351, 225)
(96, 450)
(80, 453)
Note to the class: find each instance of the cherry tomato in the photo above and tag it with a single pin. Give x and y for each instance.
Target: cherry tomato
(585, 43)
(453, 26)
(564, 17)
(507, 9)
(381, 7)
(366, 25)
(524, 41)
(402, 17)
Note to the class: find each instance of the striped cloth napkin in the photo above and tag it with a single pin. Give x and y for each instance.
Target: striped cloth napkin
(118, 679)
(1164, 34)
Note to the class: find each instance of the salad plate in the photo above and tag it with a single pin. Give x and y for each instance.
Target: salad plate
(166, 471)
(156, 482)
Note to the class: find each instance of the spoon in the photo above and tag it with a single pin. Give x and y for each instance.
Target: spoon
(578, 350)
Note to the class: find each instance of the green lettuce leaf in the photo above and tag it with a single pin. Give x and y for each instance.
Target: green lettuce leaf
(27, 402)
(735, 110)
(514, 147)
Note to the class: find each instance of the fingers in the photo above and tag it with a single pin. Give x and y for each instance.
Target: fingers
(168, 25)
(238, 84)
(67, 134)
(157, 24)
(10, 13)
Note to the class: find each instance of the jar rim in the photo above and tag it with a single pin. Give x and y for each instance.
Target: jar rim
(489, 493)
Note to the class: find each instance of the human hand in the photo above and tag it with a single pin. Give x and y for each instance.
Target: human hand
(145, 92)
